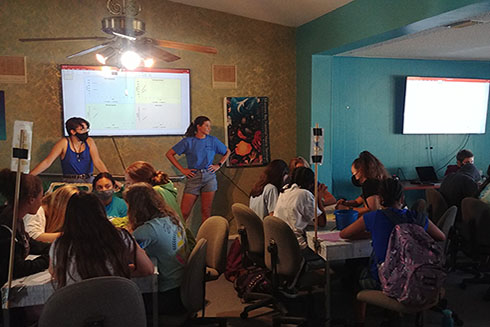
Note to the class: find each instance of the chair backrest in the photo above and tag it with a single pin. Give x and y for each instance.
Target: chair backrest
(447, 220)
(254, 227)
(192, 287)
(476, 222)
(436, 203)
(215, 230)
(288, 252)
(107, 301)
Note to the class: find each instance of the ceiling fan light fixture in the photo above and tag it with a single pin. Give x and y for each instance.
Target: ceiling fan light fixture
(149, 62)
(105, 55)
(130, 60)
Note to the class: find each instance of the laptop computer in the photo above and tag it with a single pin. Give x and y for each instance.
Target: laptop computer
(427, 174)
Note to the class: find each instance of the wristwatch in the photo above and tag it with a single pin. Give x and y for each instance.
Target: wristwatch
(220, 163)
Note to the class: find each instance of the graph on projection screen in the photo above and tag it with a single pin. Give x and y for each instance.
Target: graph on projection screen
(118, 102)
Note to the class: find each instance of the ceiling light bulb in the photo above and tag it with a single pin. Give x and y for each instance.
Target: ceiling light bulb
(100, 58)
(130, 60)
(149, 62)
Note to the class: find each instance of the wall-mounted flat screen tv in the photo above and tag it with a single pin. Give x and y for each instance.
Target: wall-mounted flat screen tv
(121, 102)
(435, 105)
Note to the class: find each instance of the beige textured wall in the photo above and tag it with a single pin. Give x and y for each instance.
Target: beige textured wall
(264, 54)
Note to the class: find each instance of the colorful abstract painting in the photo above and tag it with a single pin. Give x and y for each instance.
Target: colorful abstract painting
(3, 129)
(247, 131)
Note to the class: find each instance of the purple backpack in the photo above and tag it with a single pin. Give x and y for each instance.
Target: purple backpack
(412, 272)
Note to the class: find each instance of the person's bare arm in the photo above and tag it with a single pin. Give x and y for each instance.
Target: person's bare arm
(48, 237)
(56, 151)
(94, 154)
(171, 157)
(143, 266)
(355, 231)
(435, 232)
(214, 168)
(51, 269)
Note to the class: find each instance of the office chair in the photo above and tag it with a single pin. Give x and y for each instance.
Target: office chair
(290, 274)
(437, 205)
(108, 301)
(251, 230)
(475, 230)
(215, 231)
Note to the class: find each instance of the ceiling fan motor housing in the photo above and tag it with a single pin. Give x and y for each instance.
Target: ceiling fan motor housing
(123, 25)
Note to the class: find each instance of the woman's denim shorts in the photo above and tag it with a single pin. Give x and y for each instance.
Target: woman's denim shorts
(203, 181)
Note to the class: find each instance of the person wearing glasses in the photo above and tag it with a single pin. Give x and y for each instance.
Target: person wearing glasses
(78, 154)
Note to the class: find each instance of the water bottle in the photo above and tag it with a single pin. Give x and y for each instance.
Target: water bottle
(447, 318)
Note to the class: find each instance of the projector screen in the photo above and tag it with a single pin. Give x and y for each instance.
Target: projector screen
(120, 102)
(435, 105)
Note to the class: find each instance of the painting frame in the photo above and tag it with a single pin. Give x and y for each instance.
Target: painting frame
(247, 131)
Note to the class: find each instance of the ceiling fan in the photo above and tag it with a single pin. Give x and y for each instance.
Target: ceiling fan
(126, 39)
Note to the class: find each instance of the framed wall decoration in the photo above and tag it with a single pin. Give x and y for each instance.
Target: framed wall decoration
(247, 131)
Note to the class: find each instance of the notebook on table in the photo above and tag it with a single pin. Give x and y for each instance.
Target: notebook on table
(427, 174)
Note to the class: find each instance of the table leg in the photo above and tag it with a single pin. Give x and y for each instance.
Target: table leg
(155, 299)
(328, 313)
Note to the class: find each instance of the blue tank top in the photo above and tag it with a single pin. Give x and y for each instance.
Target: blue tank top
(77, 163)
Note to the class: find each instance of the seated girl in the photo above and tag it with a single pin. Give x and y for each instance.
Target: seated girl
(103, 186)
(161, 234)
(144, 172)
(91, 247)
(367, 173)
(31, 193)
(296, 206)
(265, 192)
(328, 199)
(46, 224)
(380, 226)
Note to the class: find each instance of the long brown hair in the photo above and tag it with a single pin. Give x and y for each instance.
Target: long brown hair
(142, 171)
(89, 242)
(370, 167)
(144, 204)
(55, 204)
(192, 129)
(273, 174)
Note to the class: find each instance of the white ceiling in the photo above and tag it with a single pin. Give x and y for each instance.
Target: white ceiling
(284, 12)
(440, 43)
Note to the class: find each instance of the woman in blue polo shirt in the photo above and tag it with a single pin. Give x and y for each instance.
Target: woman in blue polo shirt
(199, 148)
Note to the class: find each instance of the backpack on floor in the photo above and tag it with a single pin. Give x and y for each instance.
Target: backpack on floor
(412, 272)
(253, 280)
(234, 261)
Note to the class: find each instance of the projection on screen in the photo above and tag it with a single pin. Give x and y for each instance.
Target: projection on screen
(118, 102)
(436, 105)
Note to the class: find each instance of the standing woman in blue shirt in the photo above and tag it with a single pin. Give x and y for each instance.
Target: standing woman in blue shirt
(199, 148)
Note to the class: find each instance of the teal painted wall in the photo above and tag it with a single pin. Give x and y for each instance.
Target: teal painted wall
(366, 114)
(360, 23)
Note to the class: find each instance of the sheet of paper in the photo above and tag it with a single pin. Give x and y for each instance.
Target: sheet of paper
(330, 237)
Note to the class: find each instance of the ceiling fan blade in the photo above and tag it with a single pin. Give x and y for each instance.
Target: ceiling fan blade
(89, 50)
(183, 46)
(161, 54)
(66, 39)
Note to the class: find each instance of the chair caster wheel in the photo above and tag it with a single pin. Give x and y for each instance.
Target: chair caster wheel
(244, 315)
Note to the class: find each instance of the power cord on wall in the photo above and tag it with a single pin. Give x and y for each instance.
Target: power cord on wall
(453, 153)
(235, 184)
(118, 153)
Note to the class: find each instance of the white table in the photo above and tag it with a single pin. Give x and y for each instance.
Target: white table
(338, 249)
(36, 289)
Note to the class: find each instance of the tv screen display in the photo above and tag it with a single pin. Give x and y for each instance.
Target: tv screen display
(120, 102)
(435, 105)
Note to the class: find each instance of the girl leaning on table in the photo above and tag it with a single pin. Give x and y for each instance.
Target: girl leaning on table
(157, 228)
(380, 227)
(90, 246)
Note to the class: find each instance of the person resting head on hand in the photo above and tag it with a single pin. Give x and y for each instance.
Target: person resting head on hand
(46, 224)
